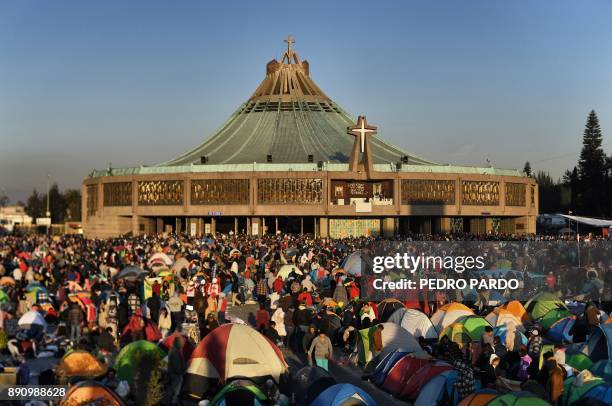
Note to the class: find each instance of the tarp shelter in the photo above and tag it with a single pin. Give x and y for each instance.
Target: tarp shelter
(602, 369)
(82, 364)
(448, 314)
(344, 394)
(542, 303)
(415, 322)
(387, 307)
(393, 337)
(402, 371)
(589, 221)
(126, 362)
(91, 393)
(599, 345)
(309, 382)
(240, 392)
(230, 351)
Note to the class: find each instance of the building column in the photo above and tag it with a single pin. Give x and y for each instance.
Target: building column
(275, 225)
(159, 225)
(388, 227)
(248, 229)
(302, 225)
(323, 227)
(445, 225)
(135, 225)
(488, 225)
(263, 230)
(213, 225)
(235, 225)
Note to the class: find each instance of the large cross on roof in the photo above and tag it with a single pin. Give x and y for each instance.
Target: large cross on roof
(361, 130)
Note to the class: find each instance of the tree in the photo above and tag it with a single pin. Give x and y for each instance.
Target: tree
(572, 181)
(527, 169)
(72, 198)
(592, 169)
(4, 200)
(35, 207)
(57, 205)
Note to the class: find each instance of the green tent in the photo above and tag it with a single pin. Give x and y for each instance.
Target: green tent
(553, 316)
(542, 303)
(578, 361)
(572, 393)
(126, 361)
(239, 392)
(466, 329)
(4, 297)
(518, 399)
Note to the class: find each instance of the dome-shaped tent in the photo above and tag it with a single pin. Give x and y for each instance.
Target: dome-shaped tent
(126, 363)
(415, 322)
(82, 364)
(542, 303)
(393, 337)
(231, 351)
(448, 314)
(91, 392)
(503, 317)
(344, 394)
(599, 345)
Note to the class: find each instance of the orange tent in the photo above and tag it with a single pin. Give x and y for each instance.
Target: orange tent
(81, 363)
(515, 307)
(478, 399)
(91, 392)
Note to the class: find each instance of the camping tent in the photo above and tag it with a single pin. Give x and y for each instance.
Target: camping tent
(343, 394)
(599, 345)
(517, 399)
(91, 392)
(232, 350)
(542, 303)
(380, 371)
(578, 361)
(602, 393)
(515, 307)
(309, 382)
(30, 319)
(553, 316)
(286, 270)
(573, 392)
(479, 398)
(466, 329)
(422, 376)
(126, 363)
(82, 364)
(561, 331)
(439, 390)
(448, 314)
(602, 369)
(240, 392)
(399, 373)
(356, 263)
(415, 322)
(167, 343)
(503, 317)
(393, 337)
(388, 307)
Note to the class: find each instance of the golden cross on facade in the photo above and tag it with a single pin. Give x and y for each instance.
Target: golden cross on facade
(361, 130)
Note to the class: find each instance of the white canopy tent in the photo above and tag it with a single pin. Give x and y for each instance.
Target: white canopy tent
(589, 221)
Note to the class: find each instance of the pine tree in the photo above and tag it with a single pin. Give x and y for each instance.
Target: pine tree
(527, 169)
(592, 169)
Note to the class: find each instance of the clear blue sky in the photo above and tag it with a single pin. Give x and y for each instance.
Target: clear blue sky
(138, 82)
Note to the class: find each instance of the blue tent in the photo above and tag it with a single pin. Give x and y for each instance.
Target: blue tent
(600, 392)
(441, 390)
(382, 369)
(603, 369)
(357, 263)
(560, 331)
(502, 331)
(342, 393)
(599, 345)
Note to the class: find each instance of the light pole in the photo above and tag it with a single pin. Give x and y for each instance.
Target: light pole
(48, 212)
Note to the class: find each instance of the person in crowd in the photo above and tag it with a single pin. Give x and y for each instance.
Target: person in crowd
(321, 349)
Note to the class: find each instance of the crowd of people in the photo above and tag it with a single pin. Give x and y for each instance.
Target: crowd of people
(68, 293)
